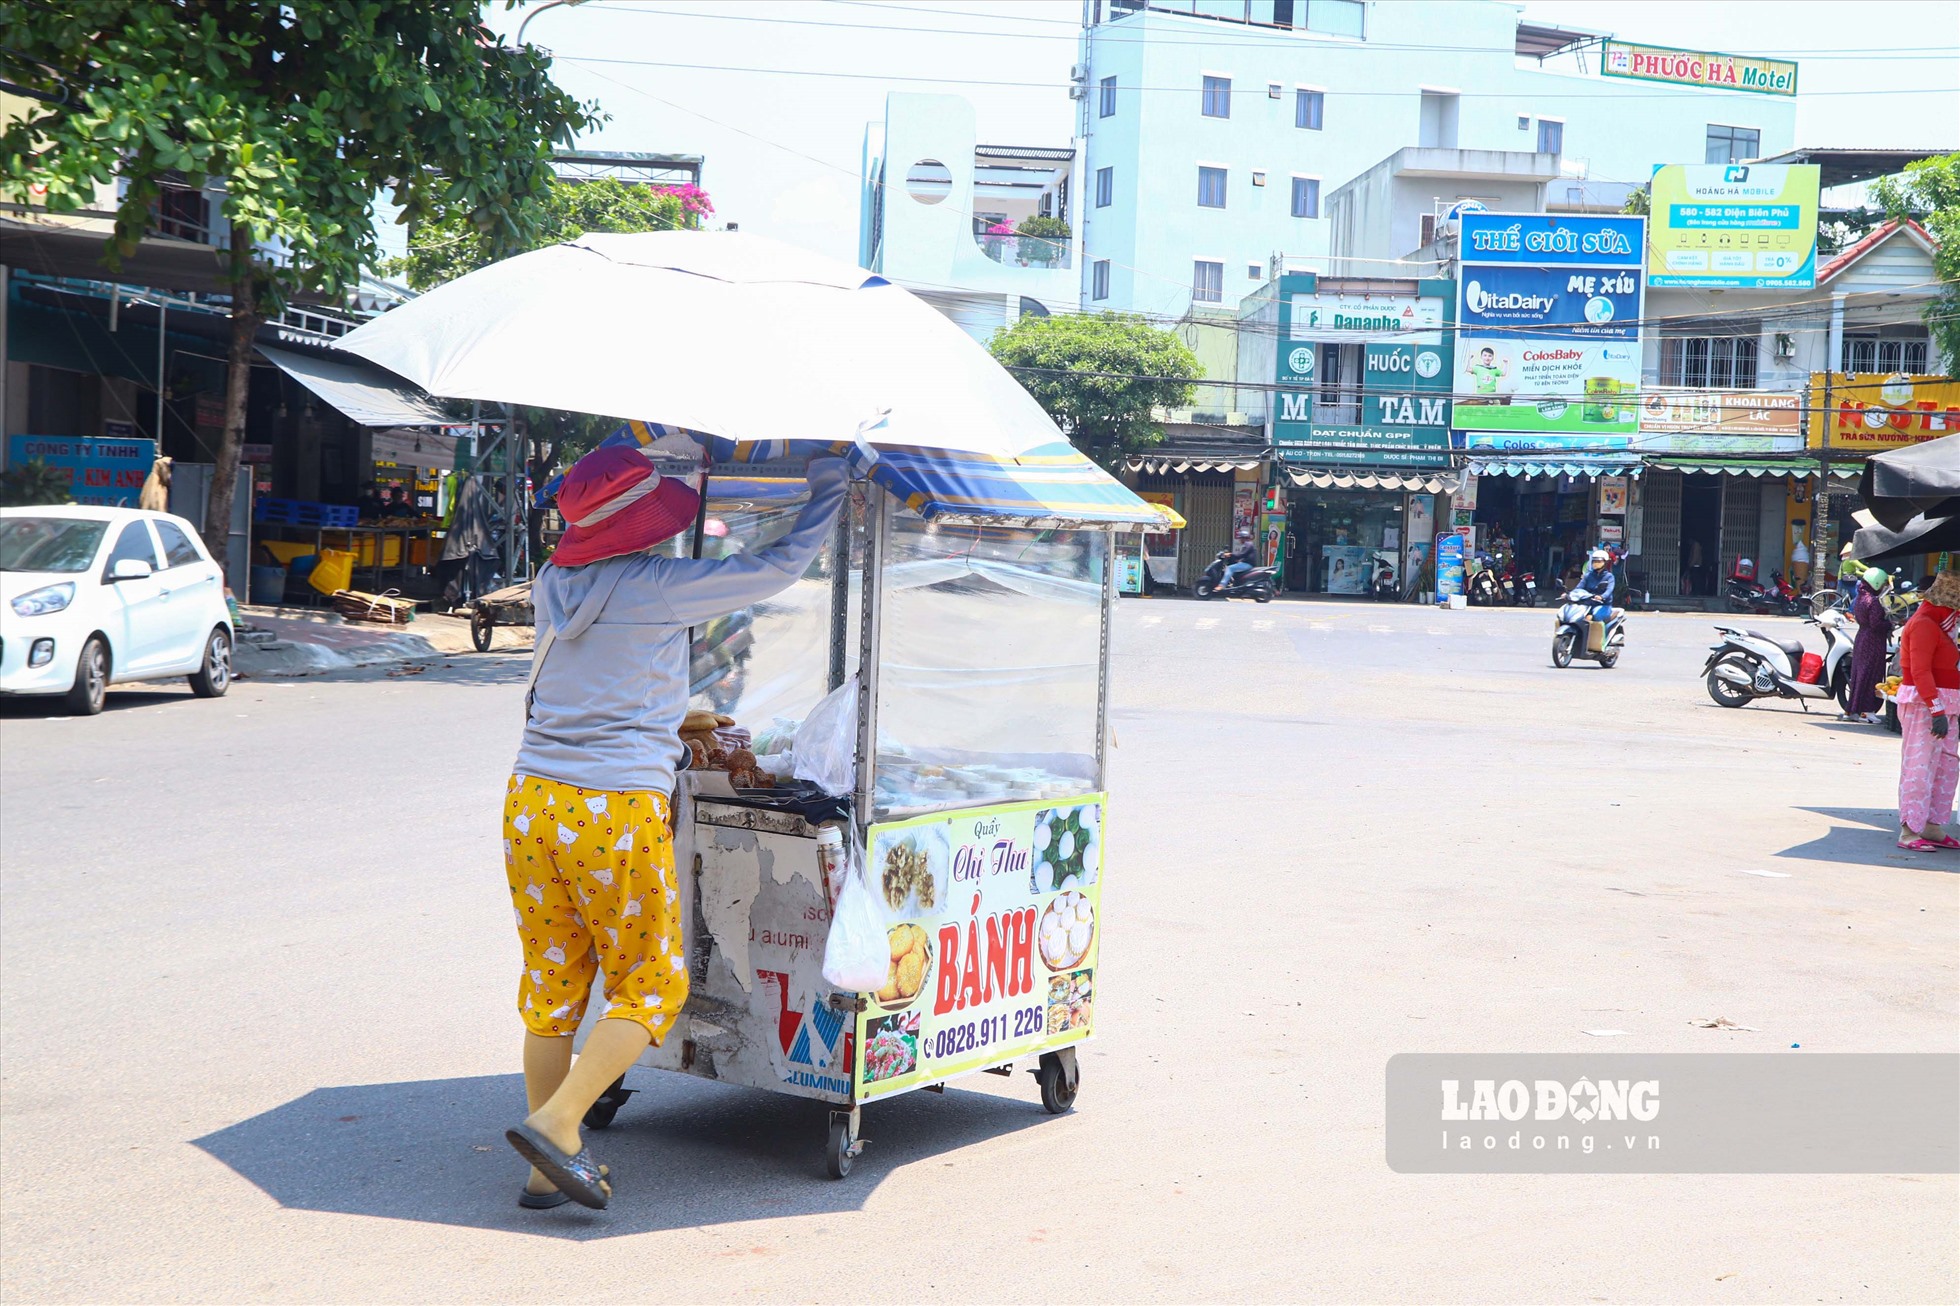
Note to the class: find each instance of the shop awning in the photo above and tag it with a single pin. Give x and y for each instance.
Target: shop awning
(362, 391)
(1555, 465)
(1174, 465)
(1412, 482)
(1737, 466)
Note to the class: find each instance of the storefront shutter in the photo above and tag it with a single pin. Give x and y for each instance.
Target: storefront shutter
(1660, 533)
(1208, 510)
(1742, 500)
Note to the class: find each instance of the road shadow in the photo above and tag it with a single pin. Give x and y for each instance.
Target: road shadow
(45, 707)
(684, 1152)
(1869, 839)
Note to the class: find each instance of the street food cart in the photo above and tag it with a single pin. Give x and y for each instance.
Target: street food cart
(966, 600)
(978, 644)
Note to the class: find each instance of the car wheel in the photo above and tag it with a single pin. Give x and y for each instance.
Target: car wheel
(213, 678)
(91, 685)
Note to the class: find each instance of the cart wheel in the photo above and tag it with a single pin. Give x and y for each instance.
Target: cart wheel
(482, 624)
(1058, 1083)
(842, 1148)
(600, 1114)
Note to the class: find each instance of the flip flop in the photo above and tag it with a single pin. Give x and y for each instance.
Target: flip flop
(1910, 845)
(540, 1201)
(577, 1177)
(1944, 841)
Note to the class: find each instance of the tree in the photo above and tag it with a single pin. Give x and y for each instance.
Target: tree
(305, 111)
(1099, 376)
(1928, 192)
(450, 244)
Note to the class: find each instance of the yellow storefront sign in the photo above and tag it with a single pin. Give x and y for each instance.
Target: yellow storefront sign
(1728, 72)
(1872, 412)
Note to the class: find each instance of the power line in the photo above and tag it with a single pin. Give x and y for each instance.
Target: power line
(1251, 41)
(1173, 90)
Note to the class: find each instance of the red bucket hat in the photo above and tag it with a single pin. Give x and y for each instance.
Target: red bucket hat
(615, 503)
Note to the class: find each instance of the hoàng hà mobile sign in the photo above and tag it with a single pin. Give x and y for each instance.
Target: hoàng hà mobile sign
(1727, 226)
(1727, 72)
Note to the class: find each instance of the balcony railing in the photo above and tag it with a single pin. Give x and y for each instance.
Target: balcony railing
(1027, 251)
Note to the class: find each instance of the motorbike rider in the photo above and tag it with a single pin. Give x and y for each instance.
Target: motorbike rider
(1598, 583)
(1244, 557)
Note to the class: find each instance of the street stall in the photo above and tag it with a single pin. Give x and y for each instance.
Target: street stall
(898, 769)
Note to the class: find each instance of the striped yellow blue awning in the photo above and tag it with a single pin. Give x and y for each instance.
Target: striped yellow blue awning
(1050, 486)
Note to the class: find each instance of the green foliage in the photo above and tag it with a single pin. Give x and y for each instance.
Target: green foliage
(1929, 192)
(1640, 201)
(450, 245)
(1099, 376)
(1043, 240)
(33, 484)
(305, 111)
(1047, 227)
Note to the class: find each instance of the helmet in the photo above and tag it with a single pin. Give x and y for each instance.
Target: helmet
(1599, 557)
(1245, 534)
(1876, 578)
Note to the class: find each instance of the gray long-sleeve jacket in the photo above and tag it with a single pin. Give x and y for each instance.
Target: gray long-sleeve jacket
(607, 705)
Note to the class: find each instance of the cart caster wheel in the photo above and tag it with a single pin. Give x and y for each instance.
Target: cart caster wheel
(843, 1147)
(600, 1114)
(482, 628)
(1059, 1079)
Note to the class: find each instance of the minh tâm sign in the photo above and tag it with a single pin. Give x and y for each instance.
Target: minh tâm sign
(1726, 72)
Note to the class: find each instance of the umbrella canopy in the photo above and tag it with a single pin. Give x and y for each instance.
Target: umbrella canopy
(1921, 478)
(724, 333)
(1919, 535)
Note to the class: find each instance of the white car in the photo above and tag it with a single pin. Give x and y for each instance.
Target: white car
(92, 597)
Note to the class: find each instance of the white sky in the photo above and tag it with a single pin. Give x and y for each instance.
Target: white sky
(783, 151)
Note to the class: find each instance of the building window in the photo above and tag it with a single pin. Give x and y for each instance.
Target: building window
(1099, 279)
(1106, 105)
(1337, 397)
(1551, 136)
(1254, 271)
(1105, 187)
(1307, 109)
(1207, 282)
(1218, 97)
(1709, 362)
(1732, 144)
(1872, 354)
(1306, 197)
(1211, 188)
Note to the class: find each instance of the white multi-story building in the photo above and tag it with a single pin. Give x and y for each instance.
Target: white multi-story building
(1214, 132)
(940, 214)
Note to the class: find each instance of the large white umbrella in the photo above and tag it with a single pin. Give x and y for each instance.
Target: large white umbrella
(724, 333)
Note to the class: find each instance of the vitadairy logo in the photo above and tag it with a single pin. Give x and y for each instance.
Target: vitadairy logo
(1479, 300)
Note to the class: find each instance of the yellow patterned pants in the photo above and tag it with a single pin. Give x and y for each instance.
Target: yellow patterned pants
(592, 881)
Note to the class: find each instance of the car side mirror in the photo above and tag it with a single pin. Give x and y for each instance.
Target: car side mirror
(130, 569)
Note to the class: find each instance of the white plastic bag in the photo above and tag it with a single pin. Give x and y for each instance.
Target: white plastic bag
(857, 955)
(826, 743)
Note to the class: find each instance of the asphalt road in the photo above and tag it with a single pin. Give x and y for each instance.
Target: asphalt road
(258, 1043)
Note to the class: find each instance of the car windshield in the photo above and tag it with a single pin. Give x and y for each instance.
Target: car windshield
(49, 543)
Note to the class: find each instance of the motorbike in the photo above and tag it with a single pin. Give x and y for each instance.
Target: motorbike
(1749, 664)
(1259, 584)
(1572, 632)
(1381, 577)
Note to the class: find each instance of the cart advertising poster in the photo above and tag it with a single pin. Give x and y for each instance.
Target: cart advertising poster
(994, 919)
(1345, 567)
(1725, 226)
(1549, 325)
